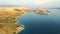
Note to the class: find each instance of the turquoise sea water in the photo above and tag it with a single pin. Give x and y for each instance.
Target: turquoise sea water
(41, 24)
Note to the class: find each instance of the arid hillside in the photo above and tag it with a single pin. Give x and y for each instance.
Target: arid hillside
(9, 23)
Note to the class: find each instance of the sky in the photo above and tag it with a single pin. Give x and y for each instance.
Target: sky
(31, 3)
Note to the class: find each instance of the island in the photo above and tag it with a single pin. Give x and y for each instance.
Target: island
(9, 16)
(41, 11)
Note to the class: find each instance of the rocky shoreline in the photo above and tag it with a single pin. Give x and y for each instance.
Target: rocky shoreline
(9, 16)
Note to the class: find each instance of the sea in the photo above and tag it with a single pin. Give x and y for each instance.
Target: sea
(41, 24)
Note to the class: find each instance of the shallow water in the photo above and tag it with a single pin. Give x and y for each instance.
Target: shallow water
(41, 24)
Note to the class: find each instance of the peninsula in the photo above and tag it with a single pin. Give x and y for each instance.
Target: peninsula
(9, 16)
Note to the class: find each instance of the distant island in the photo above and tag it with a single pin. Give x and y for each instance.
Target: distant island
(41, 11)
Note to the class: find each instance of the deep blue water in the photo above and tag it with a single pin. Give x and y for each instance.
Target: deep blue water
(41, 24)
